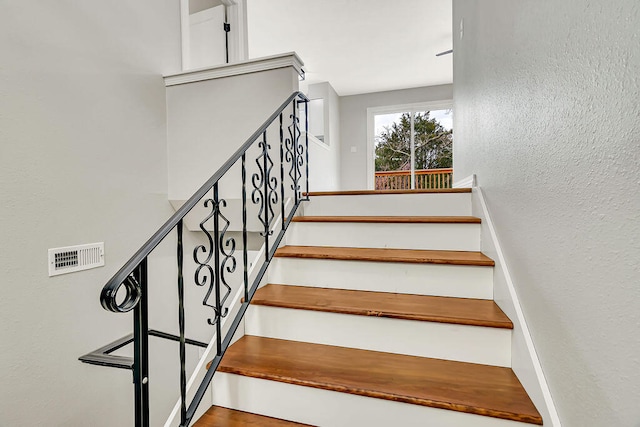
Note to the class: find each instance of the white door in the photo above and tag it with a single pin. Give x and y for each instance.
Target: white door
(207, 38)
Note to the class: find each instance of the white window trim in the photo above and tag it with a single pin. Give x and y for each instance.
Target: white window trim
(446, 104)
(184, 33)
(238, 40)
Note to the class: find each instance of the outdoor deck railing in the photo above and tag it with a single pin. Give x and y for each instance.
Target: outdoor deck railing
(424, 179)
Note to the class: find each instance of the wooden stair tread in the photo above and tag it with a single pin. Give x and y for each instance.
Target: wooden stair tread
(465, 387)
(365, 192)
(386, 255)
(217, 416)
(462, 311)
(392, 219)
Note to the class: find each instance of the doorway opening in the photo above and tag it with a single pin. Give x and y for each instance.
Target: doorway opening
(410, 147)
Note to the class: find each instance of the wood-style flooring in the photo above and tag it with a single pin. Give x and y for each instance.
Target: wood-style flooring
(386, 255)
(218, 416)
(461, 311)
(466, 387)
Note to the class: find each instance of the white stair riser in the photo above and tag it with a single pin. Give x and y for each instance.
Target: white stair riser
(326, 408)
(461, 281)
(474, 344)
(446, 237)
(448, 204)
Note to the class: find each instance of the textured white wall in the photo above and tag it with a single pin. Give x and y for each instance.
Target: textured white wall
(547, 114)
(353, 126)
(82, 159)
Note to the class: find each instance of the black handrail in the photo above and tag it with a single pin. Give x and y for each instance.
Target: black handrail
(109, 291)
(215, 259)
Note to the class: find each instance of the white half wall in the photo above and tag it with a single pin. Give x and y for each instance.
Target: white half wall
(546, 114)
(353, 126)
(209, 120)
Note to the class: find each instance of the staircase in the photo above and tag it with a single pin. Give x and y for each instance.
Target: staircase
(373, 318)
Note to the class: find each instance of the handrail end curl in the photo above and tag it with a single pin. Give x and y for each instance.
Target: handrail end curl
(109, 295)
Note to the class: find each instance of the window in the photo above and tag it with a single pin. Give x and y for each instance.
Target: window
(411, 147)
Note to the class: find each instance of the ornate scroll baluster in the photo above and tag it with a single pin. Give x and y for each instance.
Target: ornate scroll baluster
(300, 163)
(299, 150)
(306, 137)
(257, 195)
(204, 272)
(214, 275)
(294, 155)
(272, 188)
(294, 143)
(289, 156)
(227, 248)
(265, 190)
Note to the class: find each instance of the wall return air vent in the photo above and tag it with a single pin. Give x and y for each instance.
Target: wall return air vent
(75, 258)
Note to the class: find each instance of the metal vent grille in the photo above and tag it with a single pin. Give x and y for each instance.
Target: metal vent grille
(75, 258)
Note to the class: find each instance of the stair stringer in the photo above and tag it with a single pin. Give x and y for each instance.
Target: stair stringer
(524, 359)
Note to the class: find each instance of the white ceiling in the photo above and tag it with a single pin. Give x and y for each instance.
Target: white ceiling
(359, 46)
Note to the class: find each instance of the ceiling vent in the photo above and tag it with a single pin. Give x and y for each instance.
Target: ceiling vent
(75, 258)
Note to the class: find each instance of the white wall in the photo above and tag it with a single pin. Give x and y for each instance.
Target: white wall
(82, 159)
(324, 158)
(546, 113)
(196, 6)
(209, 120)
(353, 126)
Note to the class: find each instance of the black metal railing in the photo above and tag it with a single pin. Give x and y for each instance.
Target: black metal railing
(267, 195)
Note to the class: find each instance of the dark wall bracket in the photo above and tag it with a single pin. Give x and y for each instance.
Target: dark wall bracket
(103, 356)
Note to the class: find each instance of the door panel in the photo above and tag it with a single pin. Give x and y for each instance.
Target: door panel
(207, 37)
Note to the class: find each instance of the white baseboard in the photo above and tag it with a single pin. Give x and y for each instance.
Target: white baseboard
(520, 321)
